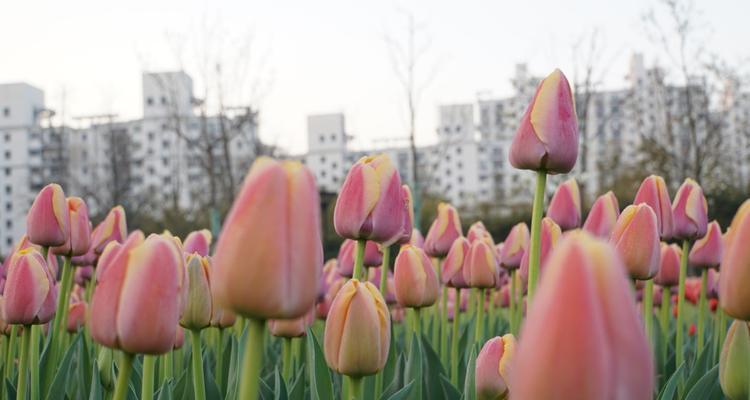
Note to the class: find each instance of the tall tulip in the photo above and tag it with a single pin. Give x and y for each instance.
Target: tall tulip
(48, 221)
(445, 229)
(493, 367)
(734, 363)
(414, 278)
(603, 216)
(584, 297)
(735, 269)
(653, 191)
(565, 206)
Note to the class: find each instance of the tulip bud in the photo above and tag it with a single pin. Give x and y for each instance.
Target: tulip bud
(734, 363)
(547, 139)
(452, 273)
(88, 258)
(76, 317)
(477, 231)
(514, 246)
(493, 367)
(48, 221)
(550, 234)
(358, 330)
(291, 328)
(669, 265)
(370, 203)
(414, 278)
(277, 210)
(690, 211)
(445, 229)
(481, 270)
(197, 312)
(706, 251)
(735, 268)
(408, 223)
(653, 191)
(603, 216)
(30, 291)
(565, 206)
(198, 242)
(113, 228)
(139, 297)
(585, 298)
(636, 238)
(77, 243)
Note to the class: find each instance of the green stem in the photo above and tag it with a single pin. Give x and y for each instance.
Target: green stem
(678, 348)
(286, 353)
(478, 333)
(491, 309)
(89, 289)
(5, 341)
(512, 303)
(722, 326)
(198, 385)
(666, 302)
(648, 310)
(10, 356)
(123, 377)
(252, 361)
(418, 330)
(702, 303)
(23, 366)
(444, 327)
(36, 333)
(384, 269)
(417, 323)
(356, 389)
(454, 337)
(220, 359)
(147, 387)
(535, 246)
(359, 258)
(63, 297)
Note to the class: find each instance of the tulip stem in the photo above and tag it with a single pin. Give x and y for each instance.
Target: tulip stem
(147, 387)
(61, 315)
(454, 336)
(512, 304)
(678, 348)
(666, 302)
(359, 257)
(648, 311)
(23, 365)
(356, 388)
(702, 303)
(478, 333)
(286, 354)
(123, 376)
(491, 311)
(198, 385)
(444, 327)
(220, 359)
(384, 269)
(36, 333)
(722, 326)
(10, 356)
(252, 361)
(536, 229)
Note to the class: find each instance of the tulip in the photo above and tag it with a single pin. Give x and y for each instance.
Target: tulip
(89, 258)
(370, 204)
(198, 242)
(330, 273)
(603, 216)
(735, 269)
(357, 332)
(445, 229)
(113, 228)
(83, 275)
(324, 306)
(653, 191)
(416, 238)
(372, 257)
(414, 278)
(452, 274)
(76, 317)
(547, 139)
(30, 291)
(493, 368)
(48, 220)
(636, 238)
(669, 266)
(477, 231)
(734, 363)
(550, 235)
(565, 206)
(481, 266)
(389, 291)
(77, 243)
(408, 218)
(291, 328)
(584, 297)
(514, 246)
(198, 309)
(706, 251)
(689, 210)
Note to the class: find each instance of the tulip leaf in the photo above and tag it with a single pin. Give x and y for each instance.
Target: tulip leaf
(707, 387)
(449, 391)
(321, 386)
(668, 392)
(165, 392)
(413, 372)
(233, 369)
(389, 371)
(297, 388)
(58, 385)
(279, 387)
(434, 369)
(698, 369)
(96, 384)
(469, 387)
(10, 389)
(403, 393)
(212, 390)
(84, 368)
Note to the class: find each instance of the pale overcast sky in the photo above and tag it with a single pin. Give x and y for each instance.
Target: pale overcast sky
(324, 56)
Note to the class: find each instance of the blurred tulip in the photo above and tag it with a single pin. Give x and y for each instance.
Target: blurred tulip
(291, 328)
(584, 297)
(79, 240)
(493, 366)
(179, 338)
(278, 211)
(48, 220)
(514, 246)
(198, 242)
(113, 228)
(83, 275)
(30, 290)
(330, 272)
(550, 235)
(197, 312)
(325, 305)
(690, 211)
(370, 204)
(414, 278)
(452, 273)
(416, 238)
(669, 265)
(735, 268)
(390, 287)
(636, 238)
(481, 270)
(547, 139)
(138, 301)
(88, 258)
(373, 257)
(706, 251)
(653, 191)
(408, 218)
(445, 229)
(76, 317)
(358, 330)
(477, 231)
(565, 206)
(603, 216)
(734, 363)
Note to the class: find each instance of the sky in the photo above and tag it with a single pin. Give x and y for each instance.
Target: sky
(295, 58)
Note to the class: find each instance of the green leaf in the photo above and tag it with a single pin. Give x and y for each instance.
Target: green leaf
(10, 389)
(434, 368)
(297, 388)
(413, 372)
(469, 387)
(450, 392)
(707, 387)
(59, 383)
(321, 387)
(389, 371)
(279, 387)
(165, 392)
(698, 369)
(403, 393)
(84, 368)
(212, 390)
(668, 392)
(231, 378)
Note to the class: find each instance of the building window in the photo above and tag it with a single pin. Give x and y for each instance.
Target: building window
(9, 241)
(150, 101)
(7, 155)
(163, 100)
(322, 139)
(333, 137)
(9, 224)
(7, 137)
(151, 136)
(8, 189)
(6, 112)
(7, 171)
(8, 207)
(165, 161)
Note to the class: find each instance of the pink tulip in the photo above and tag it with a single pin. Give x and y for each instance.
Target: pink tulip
(414, 278)
(565, 206)
(416, 238)
(603, 216)
(452, 273)
(83, 275)
(514, 246)
(735, 268)
(139, 298)
(408, 217)
(690, 211)
(445, 229)
(76, 317)
(48, 220)
(669, 265)
(373, 257)
(547, 139)
(706, 251)
(329, 274)
(493, 367)
(198, 242)
(583, 338)
(291, 328)
(370, 204)
(481, 270)
(88, 258)
(653, 191)
(77, 243)
(550, 235)
(113, 228)
(325, 305)
(636, 238)
(278, 211)
(477, 231)
(30, 291)
(390, 287)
